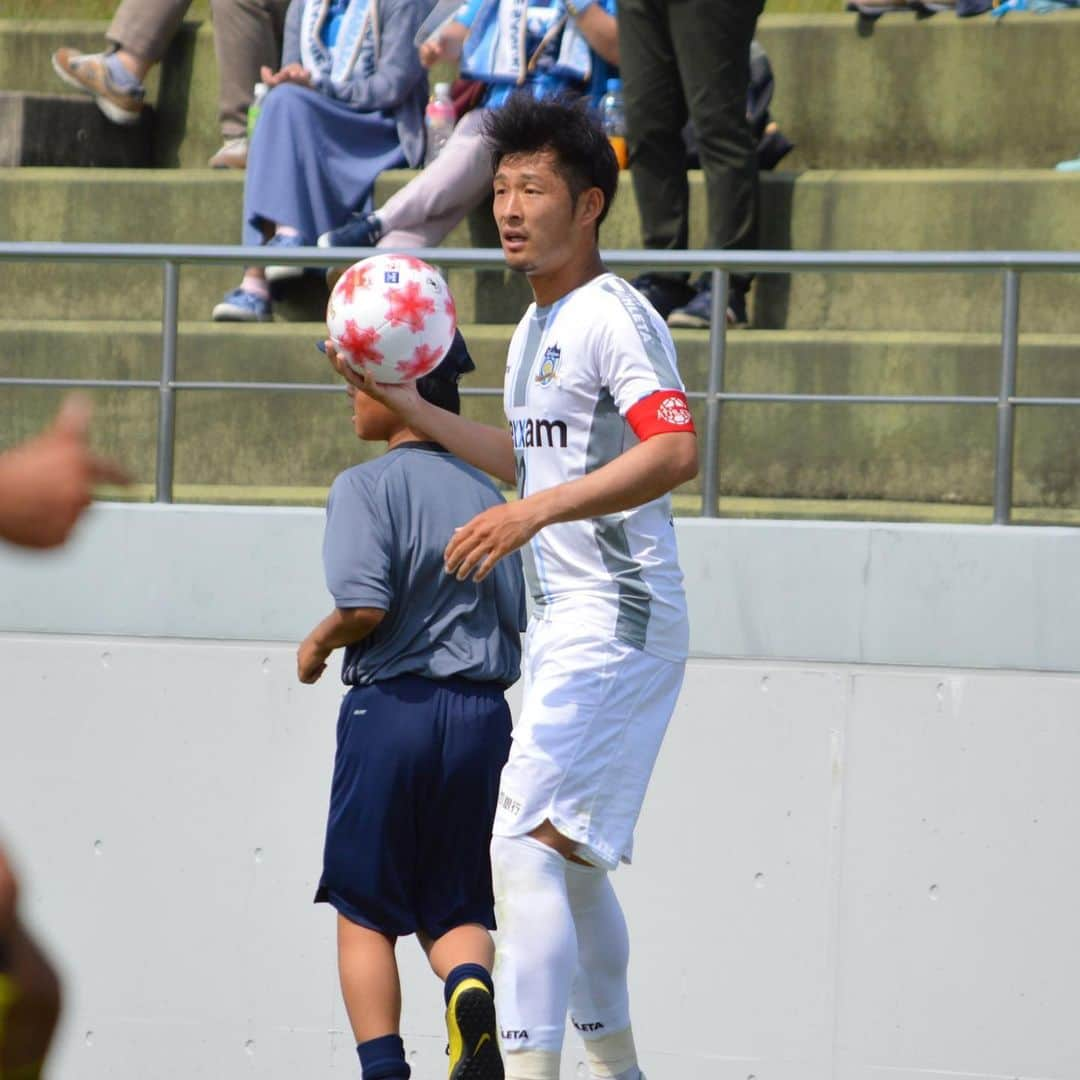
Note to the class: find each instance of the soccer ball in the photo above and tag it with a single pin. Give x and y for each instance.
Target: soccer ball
(392, 315)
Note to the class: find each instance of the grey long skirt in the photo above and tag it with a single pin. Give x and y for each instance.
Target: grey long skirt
(312, 161)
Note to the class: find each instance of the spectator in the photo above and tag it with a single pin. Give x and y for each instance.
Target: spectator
(679, 60)
(563, 52)
(247, 35)
(347, 103)
(772, 144)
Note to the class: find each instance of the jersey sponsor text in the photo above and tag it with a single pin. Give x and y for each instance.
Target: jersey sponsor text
(537, 431)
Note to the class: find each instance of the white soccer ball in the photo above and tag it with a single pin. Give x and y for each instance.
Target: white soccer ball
(393, 316)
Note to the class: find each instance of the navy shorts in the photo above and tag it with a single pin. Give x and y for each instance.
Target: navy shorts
(416, 779)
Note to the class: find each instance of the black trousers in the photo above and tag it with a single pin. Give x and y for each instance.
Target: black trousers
(680, 59)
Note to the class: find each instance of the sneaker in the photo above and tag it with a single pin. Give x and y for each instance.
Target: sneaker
(664, 293)
(361, 230)
(697, 315)
(242, 306)
(232, 154)
(772, 149)
(1072, 165)
(90, 73)
(474, 1038)
(275, 273)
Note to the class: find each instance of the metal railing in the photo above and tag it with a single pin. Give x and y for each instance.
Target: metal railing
(1010, 265)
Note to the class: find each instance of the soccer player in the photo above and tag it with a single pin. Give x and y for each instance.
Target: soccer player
(423, 731)
(599, 434)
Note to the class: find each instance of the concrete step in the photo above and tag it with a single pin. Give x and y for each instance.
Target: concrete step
(183, 88)
(899, 93)
(906, 92)
(897, 210)
(924, 453)
(65, 130)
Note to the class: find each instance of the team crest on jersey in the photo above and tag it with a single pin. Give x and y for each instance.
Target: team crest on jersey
(549, 366)
(673, 410)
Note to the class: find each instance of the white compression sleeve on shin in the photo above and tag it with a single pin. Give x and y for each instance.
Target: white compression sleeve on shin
(613, 1057)
(599, 999)
(532, 1065)
(537, 947)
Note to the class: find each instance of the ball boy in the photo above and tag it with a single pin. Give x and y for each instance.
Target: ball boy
(423, 731)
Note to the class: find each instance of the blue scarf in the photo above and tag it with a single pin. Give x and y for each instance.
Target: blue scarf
(513, 39)
(356, 43)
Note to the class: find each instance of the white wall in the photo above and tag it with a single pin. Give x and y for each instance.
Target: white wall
(843, 870)
(940, 595)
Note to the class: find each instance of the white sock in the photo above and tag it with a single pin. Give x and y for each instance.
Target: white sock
(531, 1065)
(599, 998)
(537, 952)
(613, 1057)
(286, 230)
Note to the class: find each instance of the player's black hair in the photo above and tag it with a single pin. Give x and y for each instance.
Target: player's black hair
(440, 387)
(564, 126)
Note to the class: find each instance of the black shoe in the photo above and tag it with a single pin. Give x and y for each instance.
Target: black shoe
(772, 149)
(361, 230)
(664, 293)
(474, 1038)
(697, 315)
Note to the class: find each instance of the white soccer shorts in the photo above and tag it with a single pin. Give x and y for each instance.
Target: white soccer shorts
(593, 717)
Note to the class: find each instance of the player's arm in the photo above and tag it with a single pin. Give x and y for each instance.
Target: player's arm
(343, 626)
(489, 448)
(643, 473)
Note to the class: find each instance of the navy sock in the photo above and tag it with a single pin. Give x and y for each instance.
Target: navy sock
(467, 971)
(383, 1058)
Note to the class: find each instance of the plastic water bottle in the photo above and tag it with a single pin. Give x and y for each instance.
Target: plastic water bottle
(613, 117)
(261, 90)
(439, 121)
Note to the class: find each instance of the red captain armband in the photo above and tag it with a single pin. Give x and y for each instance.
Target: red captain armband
(660, 412)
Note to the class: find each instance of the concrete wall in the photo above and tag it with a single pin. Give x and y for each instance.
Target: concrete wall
(846, 868)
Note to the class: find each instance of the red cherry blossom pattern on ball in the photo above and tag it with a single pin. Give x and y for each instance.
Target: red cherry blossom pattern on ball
(409, 306)
(424, 360)
(356, 279)
(360, 342)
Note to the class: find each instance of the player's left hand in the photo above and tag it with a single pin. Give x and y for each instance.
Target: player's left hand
(310, 661)
(477, 546)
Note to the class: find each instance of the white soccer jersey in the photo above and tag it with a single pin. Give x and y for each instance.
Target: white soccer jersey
(584, 375)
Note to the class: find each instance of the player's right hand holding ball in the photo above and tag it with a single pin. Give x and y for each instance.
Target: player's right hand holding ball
(401, 397)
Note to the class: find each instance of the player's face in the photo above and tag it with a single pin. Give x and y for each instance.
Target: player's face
(535, 213)
(372, 422)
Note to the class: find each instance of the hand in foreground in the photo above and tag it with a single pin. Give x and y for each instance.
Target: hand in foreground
(291, 73)
(477, 546)
(310, 661)
(400, 397)
(47, 482)
(445, 45)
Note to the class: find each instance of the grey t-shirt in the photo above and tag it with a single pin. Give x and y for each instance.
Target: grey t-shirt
(388, 522)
